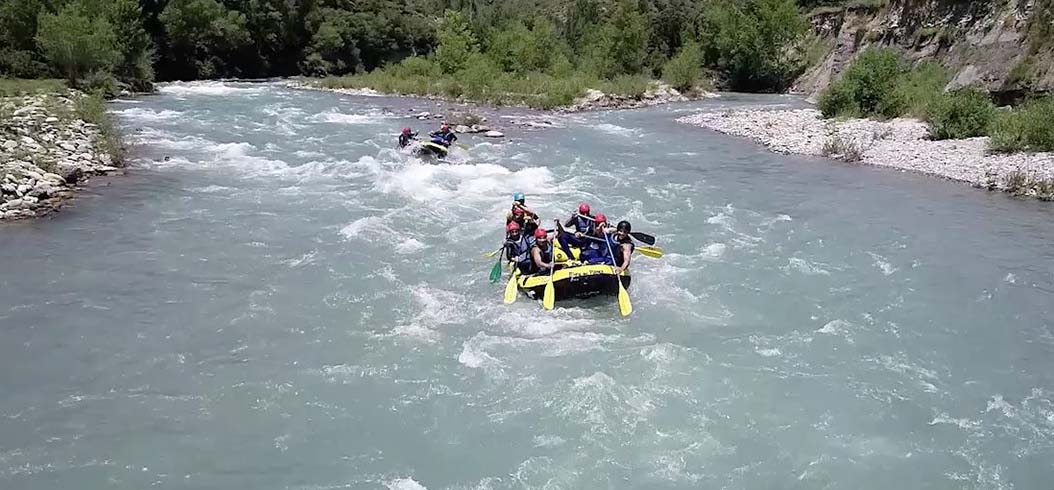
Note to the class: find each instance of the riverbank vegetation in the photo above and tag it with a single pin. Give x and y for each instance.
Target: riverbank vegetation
(528, 50)
(880, 85)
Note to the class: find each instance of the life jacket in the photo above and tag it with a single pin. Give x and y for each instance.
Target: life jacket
(546, 253)
(519, 251)
(444, 139)
(582, 225)
(405, 139)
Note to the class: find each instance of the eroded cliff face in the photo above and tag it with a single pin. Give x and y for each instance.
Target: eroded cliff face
(1004, 46)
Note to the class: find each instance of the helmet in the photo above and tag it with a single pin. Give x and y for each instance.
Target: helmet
(444, 126)
(512, 226)
(517, 212)
(541, 233)
(519, 197)
(600, 218)
(406, 130)
(583, 208)
(624, 226)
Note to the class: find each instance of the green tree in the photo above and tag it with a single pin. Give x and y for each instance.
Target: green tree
(621, 45)
(18, 30)
(74, 43)
(683, 70)
(205, 38)
(751, 42)
(456, 42)
(135, 48)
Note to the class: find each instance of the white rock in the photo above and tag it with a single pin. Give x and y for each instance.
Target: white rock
(462, 129)
(494, 134)
(26, 140)
(29, 200)
(23, 189)
(51, 120)
(12, 204)
(67, 147)
(8, 188)
(42, 190)
(54, 178)
(10, 144)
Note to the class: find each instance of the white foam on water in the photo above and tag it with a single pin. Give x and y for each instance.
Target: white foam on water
(962, 423)
(805, 267)
(407, 483)
(450, 185)
(410, 246)
(337, 117)
(548, 441)
(613, 129)
(370, 226)
(713, 252)
(207, 88)
(835, 327)
(774, 352)
(1010, 278)
(882, 264)
(139, 114)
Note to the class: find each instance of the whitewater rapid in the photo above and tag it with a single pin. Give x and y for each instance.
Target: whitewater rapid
(275, 297)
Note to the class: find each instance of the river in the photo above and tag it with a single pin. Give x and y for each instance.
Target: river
(285, 302)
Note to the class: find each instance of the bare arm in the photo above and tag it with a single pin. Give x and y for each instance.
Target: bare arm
(626, 252)
(536, 255)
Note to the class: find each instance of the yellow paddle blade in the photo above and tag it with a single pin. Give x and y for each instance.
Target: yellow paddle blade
(653, 252)
(491, 255)
(510, 290)
(549, 298)
(624, 305)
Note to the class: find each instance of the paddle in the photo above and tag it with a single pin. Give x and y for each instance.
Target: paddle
(653, 252)
(549, 297)
(495, 272)
(491, 255)
(510, 288)
(644, 237)
(624, 306)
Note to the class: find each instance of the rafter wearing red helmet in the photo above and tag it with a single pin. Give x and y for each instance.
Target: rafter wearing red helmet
(444, 136)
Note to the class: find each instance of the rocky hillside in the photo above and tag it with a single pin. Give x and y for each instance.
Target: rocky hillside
(1004, 46)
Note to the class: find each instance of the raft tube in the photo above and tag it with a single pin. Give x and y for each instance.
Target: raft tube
(581, 281)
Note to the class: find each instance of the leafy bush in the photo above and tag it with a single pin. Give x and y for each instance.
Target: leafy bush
(456, 42)
(964, 113)
(1027, 128)
(683, 70)
(92, 109)
(99, 82)
(74, 43)
(869, 87)
(751, 42)
(842, 148)
(920, 86)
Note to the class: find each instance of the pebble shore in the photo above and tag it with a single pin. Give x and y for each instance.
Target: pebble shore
(899, 143)
(44, 152)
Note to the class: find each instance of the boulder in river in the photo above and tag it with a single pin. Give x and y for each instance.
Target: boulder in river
(494, 134)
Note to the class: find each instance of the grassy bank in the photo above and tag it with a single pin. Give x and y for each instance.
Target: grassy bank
(536, 90)
(880, 85)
